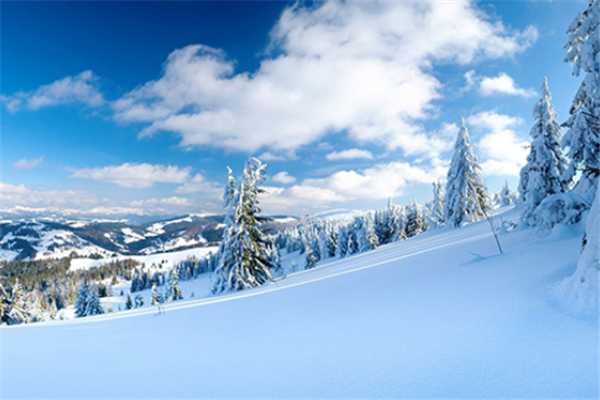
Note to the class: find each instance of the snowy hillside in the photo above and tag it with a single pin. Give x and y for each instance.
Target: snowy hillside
(438, 315)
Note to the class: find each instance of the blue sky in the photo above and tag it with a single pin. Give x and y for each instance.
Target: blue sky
(136, 108)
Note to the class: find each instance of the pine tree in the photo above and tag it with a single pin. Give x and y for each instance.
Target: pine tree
(176, 293)
(82, 298)
(541, 176)
(415, 221)
(12, 309)
(139, 301)
(437, 211)
(466, 198)
(310, 261)
(582, 140)
(93, 306)
(342, 248)
(129, 302)
(506, 196)
(156, 298)
(244, 262)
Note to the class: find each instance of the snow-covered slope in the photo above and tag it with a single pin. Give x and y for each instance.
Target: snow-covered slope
(439, 315)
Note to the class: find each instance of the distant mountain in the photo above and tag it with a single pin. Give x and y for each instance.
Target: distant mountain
(55, 238)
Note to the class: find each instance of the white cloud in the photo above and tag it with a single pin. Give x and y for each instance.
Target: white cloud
(199, 184)
(379, 182)
(283, 177)
(502, 151)
(82, 88)
(503, 84)
(22, 200)
(359, 67)
(25, 163)
(137, 176)
(349, 154)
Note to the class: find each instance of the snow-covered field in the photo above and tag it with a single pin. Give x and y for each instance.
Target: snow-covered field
(439, 315)
(167, 260)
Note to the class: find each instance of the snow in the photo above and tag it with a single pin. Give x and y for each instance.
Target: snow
(168, 260)
(421, 318)
(131, 236)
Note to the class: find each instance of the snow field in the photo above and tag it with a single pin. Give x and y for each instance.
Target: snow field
(420, 318)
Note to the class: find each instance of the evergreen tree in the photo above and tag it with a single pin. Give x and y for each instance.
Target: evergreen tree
(331, 240)
(82, 298)
(582, 140)
(139, 301)
(466, 198)
(342, 248)
(244, 262)
(310, 261)
(12, 309)
(415, 221)
(129, 302)
(93, 306)
(437, 211)
(176, 293)
(506, 197)
(541, 176)
(156, 297)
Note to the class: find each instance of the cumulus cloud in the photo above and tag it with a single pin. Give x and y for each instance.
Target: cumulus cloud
(199, 184)
(378, 182)
(25, 163)
(349, 154)
(138, 176)
(283, 177)
(81, 88)
(503, 84)
(363, 68)
(501, 150)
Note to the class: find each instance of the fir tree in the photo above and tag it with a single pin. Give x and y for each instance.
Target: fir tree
(541, 176)
(506, 197)
(176, 293)
(342, 248)
(437, 211)
(466, 198)
(93, 306)
(139, 301)
(82, 298)
(156, 298)
(129, 302)
(582, 140)
(244, 262)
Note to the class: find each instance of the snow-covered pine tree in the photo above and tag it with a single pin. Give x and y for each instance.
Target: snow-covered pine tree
(129, 302)
(541, 176)
(415, 221)
(176, 293)
(12, 309)
(582, 140)
(246, 263)
(437, 211)
(466, 198)
(310, 261)
(93, 306)
(342, 244)
(227, 257)
(331, 239)
(82, 298)
(155, 299)
(506, 197)
(138, 301)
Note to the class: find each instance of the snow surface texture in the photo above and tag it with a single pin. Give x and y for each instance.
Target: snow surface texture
(420, 318)
(579, 292)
